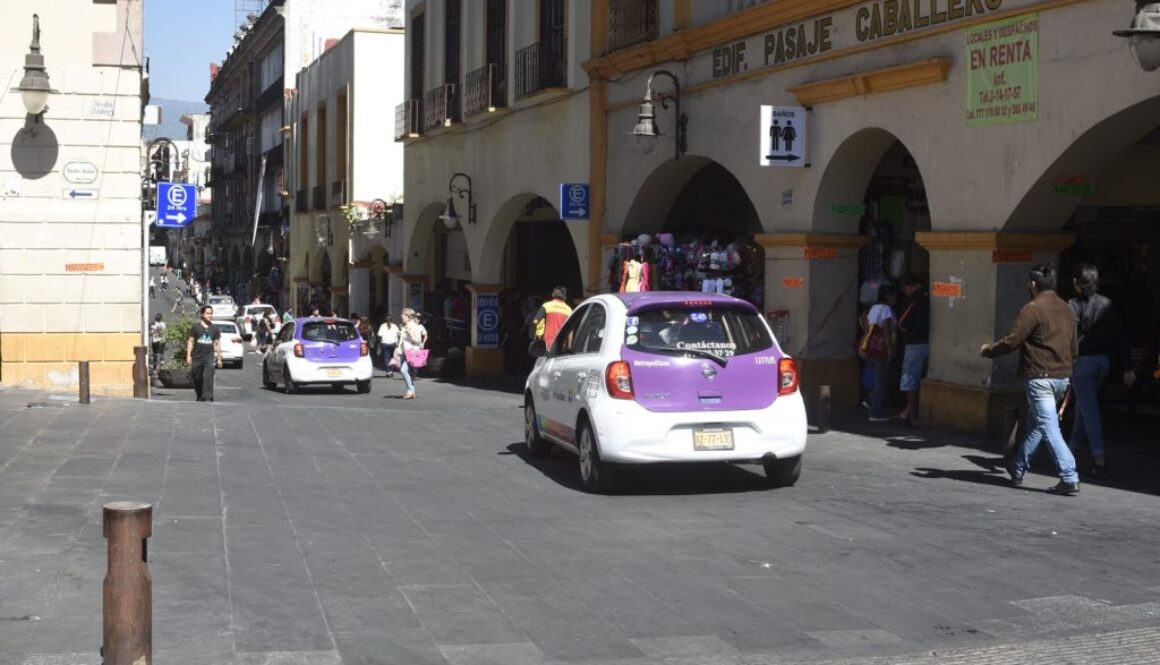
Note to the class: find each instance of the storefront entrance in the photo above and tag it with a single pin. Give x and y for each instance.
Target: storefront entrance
(704, 238)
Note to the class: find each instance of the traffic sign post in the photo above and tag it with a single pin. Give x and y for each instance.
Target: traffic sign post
(573, 201)
(176, 205)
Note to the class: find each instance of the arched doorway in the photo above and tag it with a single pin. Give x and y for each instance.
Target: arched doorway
(693, 224)
(317, 291)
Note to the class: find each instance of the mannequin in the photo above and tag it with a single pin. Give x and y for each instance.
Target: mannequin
(634, 275)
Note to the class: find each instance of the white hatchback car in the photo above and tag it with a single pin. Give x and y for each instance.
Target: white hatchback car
(223, 307)
(639, 378)
(318, 350)
(247, 318)
(233, 350)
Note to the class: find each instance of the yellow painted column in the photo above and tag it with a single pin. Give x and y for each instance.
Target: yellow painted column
(597, 148)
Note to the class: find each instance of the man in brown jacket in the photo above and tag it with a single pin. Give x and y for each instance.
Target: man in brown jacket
(1044, 333)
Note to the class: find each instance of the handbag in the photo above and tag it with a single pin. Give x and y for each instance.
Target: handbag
(416, 357)
(873, 344)
(394, 363)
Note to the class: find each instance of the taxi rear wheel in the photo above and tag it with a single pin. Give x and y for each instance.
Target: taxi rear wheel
(596, 475)
(537, 446)
(783, 472)
(270, 385)
(291, 386)
(364, 387)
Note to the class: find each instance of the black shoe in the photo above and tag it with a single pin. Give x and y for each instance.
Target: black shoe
(1064, 488)
(1016, 479)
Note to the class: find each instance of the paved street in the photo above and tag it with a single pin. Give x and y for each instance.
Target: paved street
(353, 529)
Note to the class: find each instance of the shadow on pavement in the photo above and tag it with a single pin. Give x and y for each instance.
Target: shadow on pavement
(504, 384)
(649, 480)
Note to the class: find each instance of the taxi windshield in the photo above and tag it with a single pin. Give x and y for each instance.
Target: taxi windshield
(711, 330)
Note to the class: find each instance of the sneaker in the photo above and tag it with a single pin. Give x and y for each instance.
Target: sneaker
(879, 419)
(866, 404)
(1064, 488)
(1016, 479)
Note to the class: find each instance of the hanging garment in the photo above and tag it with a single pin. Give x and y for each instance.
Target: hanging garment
(645, 284)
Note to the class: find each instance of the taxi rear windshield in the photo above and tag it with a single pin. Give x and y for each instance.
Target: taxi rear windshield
(720, 331)
(322, 331)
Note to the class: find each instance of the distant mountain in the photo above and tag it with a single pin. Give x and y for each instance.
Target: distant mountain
(171, 126)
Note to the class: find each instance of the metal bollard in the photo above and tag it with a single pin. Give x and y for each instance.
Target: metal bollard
(83, 380)
(128, 589)
(823, 409)
(140, 372)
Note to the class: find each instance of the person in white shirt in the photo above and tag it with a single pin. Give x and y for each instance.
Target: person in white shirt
(389, 341)
(881, 314)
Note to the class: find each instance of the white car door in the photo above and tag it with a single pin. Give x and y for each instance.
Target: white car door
(570, 371)
(284, 346)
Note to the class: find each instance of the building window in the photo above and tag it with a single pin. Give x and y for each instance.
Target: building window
(452, 35)
(631, 22)
(496, 48)
(418, 54)
(320, 148)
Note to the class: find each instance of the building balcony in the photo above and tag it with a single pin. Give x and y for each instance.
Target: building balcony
(337, 193)
(486, 91)
(408, 116)
(542, 66)
(441, 107)
(631, 22)
(301, 201)
(318, 197)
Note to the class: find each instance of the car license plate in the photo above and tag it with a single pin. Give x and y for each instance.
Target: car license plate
(712, 439)
(334, 373)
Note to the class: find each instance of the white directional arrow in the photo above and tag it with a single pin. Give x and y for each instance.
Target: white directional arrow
(179, 217)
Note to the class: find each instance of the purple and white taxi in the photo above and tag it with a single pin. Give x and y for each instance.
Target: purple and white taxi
(639, 378)
(318, 350)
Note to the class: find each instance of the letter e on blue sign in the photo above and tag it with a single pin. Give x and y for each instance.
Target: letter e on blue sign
(573, 201)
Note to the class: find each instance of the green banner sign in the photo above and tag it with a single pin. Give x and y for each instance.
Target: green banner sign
(1002, 83)
(855, 209)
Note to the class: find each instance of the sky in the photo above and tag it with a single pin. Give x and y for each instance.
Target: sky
(181, 38)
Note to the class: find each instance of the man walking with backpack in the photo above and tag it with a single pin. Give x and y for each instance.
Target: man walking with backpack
(1044, 333)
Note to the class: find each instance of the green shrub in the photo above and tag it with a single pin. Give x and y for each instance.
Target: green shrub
(176, 333)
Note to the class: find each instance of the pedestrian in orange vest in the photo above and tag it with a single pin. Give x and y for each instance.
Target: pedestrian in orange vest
(552, 316)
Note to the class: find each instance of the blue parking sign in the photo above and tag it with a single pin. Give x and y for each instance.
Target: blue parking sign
(176, 205)
(486, 320)
(573, 201)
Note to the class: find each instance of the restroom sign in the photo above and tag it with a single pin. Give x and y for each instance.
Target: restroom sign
(783, 136)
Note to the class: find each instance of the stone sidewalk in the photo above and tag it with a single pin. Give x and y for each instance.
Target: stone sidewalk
(313, 535)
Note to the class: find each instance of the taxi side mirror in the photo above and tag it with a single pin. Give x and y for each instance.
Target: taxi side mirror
(538, 348)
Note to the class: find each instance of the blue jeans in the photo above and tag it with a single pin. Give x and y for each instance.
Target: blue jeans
(1087, 379)
(1043, 397)
(878, 393)
(388, 353)
(405, 370)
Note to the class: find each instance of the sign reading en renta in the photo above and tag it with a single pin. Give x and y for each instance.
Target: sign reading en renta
(1003, 80)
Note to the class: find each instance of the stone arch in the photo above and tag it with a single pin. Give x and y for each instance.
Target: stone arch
(564, 243)
(418, 240)
(670, 199)
(317, 265)
(659, 191)
(846, 176)
(1095, 150)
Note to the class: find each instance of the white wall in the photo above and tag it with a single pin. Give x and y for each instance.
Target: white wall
(93, 118)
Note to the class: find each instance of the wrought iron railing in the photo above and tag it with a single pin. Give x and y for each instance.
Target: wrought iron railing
(631, 22)
(541, 66)
(486, 90)
(441, 107)
(408, 116)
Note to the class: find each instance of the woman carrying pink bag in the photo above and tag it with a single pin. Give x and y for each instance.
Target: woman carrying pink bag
(411, 352)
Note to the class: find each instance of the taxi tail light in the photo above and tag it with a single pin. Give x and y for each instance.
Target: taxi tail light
(364, 349)
(299, 352)
(787, 376)
(618, 378)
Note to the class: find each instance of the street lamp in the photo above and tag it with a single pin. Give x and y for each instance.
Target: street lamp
(450, 217)
(646, 130)
(34, 89)
(1144, 35)
(322, 230)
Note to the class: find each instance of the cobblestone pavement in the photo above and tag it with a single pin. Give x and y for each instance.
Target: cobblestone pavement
(343, 529)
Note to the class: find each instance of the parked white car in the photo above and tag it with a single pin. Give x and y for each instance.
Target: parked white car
(640, 378)
(233, 349)
(224, 307)
(247, 318)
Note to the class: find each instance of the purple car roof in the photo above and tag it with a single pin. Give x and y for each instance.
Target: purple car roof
(643, 299)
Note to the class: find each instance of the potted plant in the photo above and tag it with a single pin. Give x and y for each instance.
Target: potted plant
(174, 372)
